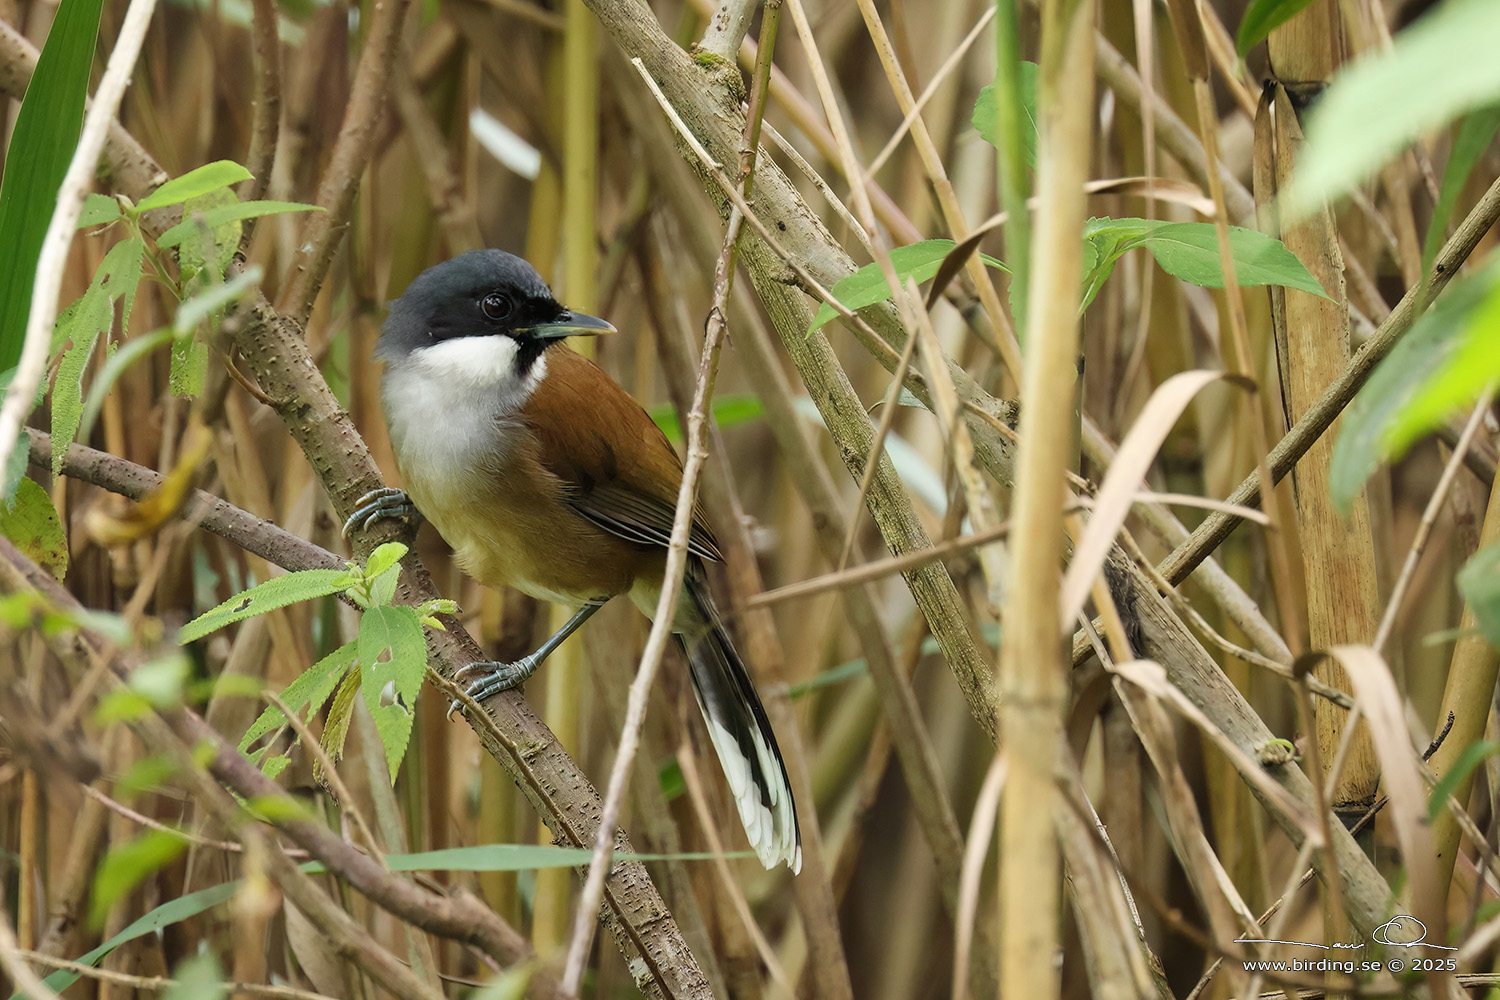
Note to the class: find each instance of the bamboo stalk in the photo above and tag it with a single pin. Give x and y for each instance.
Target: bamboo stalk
(1033, 678)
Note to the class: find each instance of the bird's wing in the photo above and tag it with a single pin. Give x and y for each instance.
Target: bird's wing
(626, 483)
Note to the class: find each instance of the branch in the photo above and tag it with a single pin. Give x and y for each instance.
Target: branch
(346, 166)
(272, 345)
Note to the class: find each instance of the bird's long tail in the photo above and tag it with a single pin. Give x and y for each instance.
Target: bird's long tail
(740, 732)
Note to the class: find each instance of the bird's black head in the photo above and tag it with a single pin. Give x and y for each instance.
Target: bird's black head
(482, 293)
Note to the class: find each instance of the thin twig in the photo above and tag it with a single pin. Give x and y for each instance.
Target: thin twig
(677, 557)
(163, 983)
(330, 775)
(347, 162)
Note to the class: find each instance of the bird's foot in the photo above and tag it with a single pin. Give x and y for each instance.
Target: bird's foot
(377, 505)
(489, 677)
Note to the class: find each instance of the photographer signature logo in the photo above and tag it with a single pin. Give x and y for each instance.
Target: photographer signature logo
(1401, 931)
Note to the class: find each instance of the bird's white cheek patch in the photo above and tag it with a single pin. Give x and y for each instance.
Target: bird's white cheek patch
(486, 360)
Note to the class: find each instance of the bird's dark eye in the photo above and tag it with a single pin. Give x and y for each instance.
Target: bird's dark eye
(496, 306)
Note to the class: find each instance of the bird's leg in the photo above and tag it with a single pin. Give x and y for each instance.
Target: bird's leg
(377, 505)
(492, 677)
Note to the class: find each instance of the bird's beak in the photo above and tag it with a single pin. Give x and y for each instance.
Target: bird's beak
(571, 324)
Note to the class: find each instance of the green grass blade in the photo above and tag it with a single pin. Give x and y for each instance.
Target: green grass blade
(45, 136)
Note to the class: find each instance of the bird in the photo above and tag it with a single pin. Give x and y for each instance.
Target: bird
(543, 474)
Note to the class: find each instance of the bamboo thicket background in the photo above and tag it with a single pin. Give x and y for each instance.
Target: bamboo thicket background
(882, 686)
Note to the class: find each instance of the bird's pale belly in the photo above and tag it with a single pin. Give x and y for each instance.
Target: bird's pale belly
(507, 532)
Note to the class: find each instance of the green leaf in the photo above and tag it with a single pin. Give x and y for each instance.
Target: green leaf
(198, 978)
(117, 364)
(508, 985)
(15, 468)
(145, 774)
(834, 675)
(729, 410)
(213, 218)
(40, 148)
(189, 373)
(336, 729)
(867, 286)
(129, 864)
(392, 659)
(1479, 583)
(1190, 251)
(1366, 436)
(31, 523)
(1458, 383)
(1261, 18)
(98, 210)
(195, 183)
(1441, 67)
(118, 277)
(303, 585)
(1474, 754)
(212, 300)
(311, 688)
(385, 557)
(1473, 138)
(983, 117)
(160, 681)
(169, 913)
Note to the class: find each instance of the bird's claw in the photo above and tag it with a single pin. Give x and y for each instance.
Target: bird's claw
(377, 505)
(491, 677)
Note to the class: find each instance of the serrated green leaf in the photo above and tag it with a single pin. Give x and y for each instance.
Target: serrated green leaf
(194, 184)
(197, 978)
(385, 556)
(129, 864)
(303, 585)
(189, 372)
(272, 767)
(221, 215)
(1479, 583)
(1473, 755)
(1440, 67)
(206, 248)
(1261, 18)
(311, 688)
(118, 277)
(46, 132)
(393, 659)
(867, 286)
(98, 210)
(31, 523)
(983, 117)
(1364, 439)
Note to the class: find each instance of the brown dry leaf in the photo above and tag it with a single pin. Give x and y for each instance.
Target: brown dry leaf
(1134, 458)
